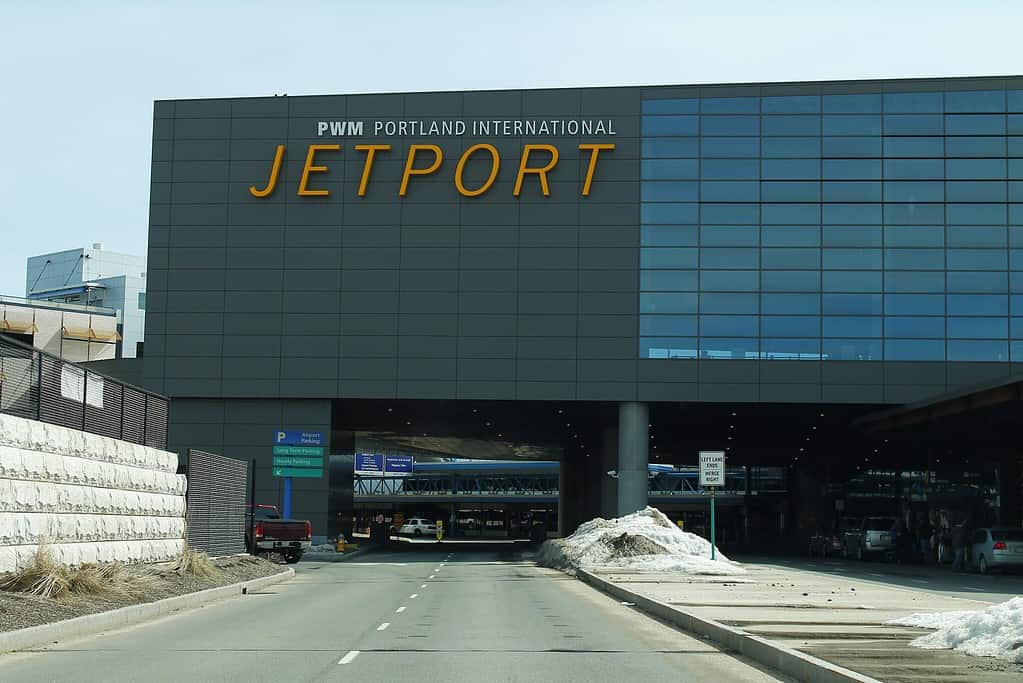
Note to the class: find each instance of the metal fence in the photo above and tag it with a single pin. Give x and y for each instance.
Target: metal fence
(216, 503)
(39, 386)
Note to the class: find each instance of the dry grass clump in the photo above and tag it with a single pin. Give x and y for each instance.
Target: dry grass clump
(195, 562)
(44, 577)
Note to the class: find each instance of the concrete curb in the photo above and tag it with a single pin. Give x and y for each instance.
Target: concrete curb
(90, 624)
(801, 666)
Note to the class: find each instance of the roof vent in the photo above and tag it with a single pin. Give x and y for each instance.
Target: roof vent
(98, 246)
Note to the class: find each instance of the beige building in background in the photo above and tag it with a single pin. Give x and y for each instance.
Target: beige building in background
(72, 332)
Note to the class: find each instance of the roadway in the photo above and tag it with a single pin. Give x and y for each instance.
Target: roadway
(414, 614)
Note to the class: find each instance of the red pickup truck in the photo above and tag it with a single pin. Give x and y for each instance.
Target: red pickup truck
(289, 537)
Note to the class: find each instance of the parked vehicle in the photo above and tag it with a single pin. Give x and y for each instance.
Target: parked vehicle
(825, 544)
(273, 534)
(873, 537)
(996, 548)
(417, 526)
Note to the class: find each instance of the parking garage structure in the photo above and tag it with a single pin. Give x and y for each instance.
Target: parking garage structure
(796, 256)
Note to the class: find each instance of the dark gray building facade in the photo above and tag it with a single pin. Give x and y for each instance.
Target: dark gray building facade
(793, 243)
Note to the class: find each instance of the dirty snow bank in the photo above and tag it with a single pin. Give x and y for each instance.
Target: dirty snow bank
(643, 541)
(993, 632)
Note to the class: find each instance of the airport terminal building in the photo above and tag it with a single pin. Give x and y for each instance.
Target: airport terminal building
(606, 276)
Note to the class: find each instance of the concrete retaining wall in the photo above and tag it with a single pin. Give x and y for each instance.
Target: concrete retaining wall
(92, 498)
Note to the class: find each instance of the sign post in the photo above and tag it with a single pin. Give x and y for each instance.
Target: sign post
(296, 453)
(712, 475)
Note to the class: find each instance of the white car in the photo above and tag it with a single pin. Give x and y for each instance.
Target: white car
(418, 526)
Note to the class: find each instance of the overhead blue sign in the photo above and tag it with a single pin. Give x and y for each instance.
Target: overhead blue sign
(398, 465)
(369, 463)
(296, 437)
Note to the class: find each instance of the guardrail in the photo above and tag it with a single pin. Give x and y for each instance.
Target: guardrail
(39, 386)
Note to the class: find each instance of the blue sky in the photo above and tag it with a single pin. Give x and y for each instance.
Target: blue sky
(77, 79)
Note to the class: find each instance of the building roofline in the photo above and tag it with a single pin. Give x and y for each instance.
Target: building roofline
(940, 82)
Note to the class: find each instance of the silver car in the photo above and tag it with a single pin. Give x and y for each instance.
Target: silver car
(874, 537)
(996, 548)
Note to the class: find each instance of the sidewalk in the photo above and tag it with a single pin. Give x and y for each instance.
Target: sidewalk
(838, 619)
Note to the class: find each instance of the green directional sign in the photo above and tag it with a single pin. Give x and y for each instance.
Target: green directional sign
(314, 451)
(297, 461)
(300, 472)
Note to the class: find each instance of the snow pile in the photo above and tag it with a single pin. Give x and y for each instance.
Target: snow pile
(643, 541)
(993, 632)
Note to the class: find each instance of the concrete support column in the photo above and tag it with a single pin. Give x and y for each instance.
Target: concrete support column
(608, 462)
(633, 456)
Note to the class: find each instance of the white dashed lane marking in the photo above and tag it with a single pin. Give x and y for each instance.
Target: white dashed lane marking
(349, 658)
(383, 626)
(400, 609)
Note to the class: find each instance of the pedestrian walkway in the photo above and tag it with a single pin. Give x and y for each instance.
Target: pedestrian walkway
(835, 618)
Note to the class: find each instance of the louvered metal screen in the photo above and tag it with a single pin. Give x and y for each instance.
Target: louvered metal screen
(39, 386)
(216, 503)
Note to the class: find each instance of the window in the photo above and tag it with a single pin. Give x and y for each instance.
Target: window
(908, 327)
(142, 301)
(977, 350)
(668, 280)
(790, 147)
(851, 169)
(851, 304)
(838, 227)
(729, 235)
(667, 325)
(670, 169)
(914, 191)
(791, 104)
(669, 213)
(975, 147)
(914, 103)
(732, 169)
(663, 302)
(729, 280)
(914, 124)
(797, 236)
(851, 104)
(914, 147)
(851, 147)
(851, 125)
(914, 304)
(669, 235)
(667, 257)
(737, 258)
(729, 147)
(671, 125)
(730, 105)
(975, 101)
(914, 349)
(975, 124)
(689, 106)
(790, 304)
(671, 191)
(730, 191)
(671, 147)
(790, 326)
(728, 326)
(730, 125)
(791, 125)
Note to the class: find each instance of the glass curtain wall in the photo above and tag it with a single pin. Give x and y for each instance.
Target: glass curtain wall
(851, 227)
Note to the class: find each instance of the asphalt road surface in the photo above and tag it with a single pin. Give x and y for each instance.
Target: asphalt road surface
(423, 614)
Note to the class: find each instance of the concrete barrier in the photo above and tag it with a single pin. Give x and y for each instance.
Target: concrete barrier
(799, 665)
(103, 621)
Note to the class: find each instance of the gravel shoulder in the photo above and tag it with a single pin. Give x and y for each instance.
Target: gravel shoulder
(18, 610)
